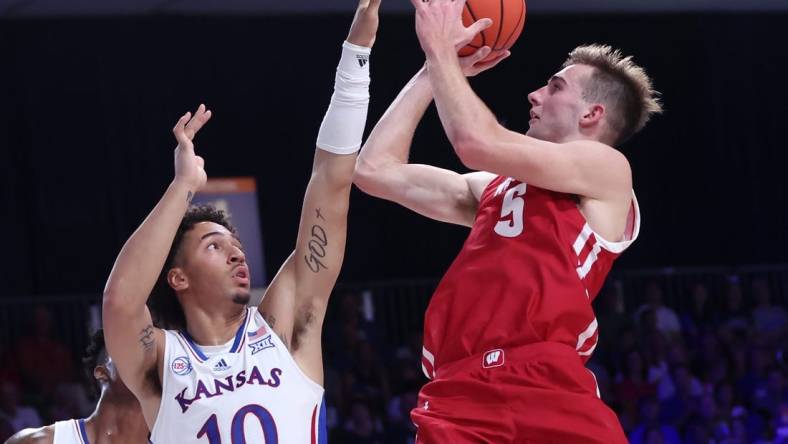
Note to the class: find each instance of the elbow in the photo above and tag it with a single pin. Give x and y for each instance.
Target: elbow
(366, 175)
(471, 149)
(113, 303)
(110, 301)
(475, 144)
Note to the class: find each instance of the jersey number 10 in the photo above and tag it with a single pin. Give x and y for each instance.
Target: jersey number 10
(211, 427)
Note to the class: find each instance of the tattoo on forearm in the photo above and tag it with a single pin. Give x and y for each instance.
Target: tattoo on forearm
(319, 215)
(189, 196)
(146, 338)
(317, 249)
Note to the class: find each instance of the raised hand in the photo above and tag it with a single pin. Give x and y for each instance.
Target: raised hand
(439, 24)
(473, 64)
(189, 167)
(365, 23)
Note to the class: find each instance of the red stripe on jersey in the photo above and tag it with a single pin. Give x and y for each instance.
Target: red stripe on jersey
(586, 250)
(314, 425)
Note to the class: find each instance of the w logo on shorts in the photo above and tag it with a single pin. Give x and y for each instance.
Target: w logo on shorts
(493, 358)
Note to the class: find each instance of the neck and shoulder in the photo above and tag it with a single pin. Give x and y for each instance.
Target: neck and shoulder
(117, 423)
(209, 326)
(41, 435)
(109, 423)
(606, 197)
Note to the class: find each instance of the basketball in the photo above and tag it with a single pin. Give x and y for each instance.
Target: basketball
(508, 18)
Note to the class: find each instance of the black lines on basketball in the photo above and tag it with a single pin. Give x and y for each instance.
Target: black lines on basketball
(474, 20)
(508, 18)
(494, 46)
(517, 27)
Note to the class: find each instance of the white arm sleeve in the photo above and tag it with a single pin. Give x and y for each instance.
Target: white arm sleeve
(343, 124)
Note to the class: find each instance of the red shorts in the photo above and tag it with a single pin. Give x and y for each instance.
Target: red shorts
(538, 393)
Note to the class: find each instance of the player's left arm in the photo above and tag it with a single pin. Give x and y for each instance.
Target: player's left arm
(586, 168)
(295, 303)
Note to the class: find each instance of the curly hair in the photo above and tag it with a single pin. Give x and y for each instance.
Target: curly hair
(95, 355)
(165, 308)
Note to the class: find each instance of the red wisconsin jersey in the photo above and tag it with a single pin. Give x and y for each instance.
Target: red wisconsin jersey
(527, 273)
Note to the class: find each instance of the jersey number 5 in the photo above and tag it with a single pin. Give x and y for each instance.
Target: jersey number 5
(211, 427)
(514, 205)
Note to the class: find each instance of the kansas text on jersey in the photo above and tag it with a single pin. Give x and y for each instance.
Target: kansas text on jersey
(247, 391)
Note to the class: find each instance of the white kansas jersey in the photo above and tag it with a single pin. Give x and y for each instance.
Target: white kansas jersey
(248, 391)
(71, 431)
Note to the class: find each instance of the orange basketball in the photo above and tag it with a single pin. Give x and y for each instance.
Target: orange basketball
(508, 18)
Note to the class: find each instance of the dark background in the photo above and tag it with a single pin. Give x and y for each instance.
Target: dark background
(86, 108)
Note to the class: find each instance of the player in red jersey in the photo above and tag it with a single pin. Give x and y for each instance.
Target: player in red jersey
(509, 329)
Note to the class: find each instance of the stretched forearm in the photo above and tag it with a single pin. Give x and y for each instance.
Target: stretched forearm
(323, 227)
(464, 116)
(390, 140)
(141, 259)
(323, 224)
(333, 172)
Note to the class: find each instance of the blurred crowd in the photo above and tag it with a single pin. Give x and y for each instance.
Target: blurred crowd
(711, 370)
(705, 367)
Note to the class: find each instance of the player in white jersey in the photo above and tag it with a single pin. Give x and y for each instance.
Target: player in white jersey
(275, 400)
(117, 418)
(222, 373)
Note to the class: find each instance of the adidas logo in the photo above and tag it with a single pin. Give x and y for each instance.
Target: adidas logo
(221, 366)
(362, 60)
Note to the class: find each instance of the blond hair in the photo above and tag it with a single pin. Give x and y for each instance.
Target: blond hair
(620, 84)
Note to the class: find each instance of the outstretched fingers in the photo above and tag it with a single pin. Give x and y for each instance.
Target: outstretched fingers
(201, 116)
(180, 128)
(479, 26)
(189, 124)
(496, 60)
(478, 55)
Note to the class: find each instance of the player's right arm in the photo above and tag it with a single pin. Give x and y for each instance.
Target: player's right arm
(43, 435)
(136, 346)
(382, 168)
